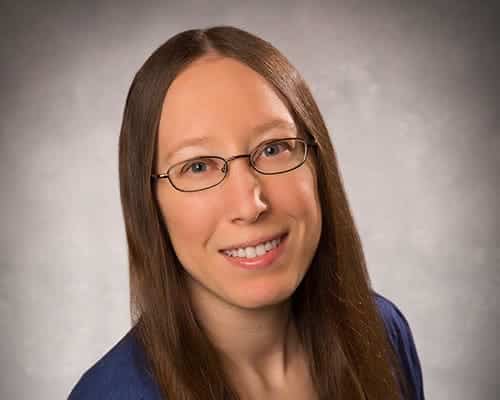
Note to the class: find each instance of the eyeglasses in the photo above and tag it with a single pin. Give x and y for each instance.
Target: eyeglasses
(271, 157)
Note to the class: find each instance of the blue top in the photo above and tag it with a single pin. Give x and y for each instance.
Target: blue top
(120, 373)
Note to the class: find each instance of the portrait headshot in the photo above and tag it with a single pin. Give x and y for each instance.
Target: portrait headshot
(276, 202)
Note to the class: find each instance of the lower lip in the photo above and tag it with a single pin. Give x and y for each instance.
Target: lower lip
(259, 262)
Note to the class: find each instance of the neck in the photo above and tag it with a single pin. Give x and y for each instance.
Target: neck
(254, 343)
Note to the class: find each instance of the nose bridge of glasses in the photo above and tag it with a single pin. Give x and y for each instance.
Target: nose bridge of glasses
(228, 160)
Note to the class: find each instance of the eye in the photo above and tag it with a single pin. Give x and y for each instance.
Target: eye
(274, 148)
(200, 166)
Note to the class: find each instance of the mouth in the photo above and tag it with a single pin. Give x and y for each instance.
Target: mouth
(262, 257)
(255, 249)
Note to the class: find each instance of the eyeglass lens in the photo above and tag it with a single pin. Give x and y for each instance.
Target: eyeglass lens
(268, 158)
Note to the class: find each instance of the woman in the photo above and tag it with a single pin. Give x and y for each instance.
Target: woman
(248, 278)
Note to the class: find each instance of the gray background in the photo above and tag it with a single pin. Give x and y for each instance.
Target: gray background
(410, 93)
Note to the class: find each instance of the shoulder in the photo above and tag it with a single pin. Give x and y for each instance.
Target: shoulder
(394, 320)
(401, 338)
(118, 374)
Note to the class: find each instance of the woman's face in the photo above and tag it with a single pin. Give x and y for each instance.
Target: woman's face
(224, 100)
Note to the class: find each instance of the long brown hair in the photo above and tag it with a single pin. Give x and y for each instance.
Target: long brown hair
(343, 335)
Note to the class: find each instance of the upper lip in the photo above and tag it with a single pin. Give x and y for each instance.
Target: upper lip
(255, 242)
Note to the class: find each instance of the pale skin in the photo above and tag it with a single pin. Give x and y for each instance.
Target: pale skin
(244, 313)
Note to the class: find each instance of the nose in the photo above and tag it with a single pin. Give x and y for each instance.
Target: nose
(244, 191)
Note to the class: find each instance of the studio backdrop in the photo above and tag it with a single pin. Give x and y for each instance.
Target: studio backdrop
(410, 94)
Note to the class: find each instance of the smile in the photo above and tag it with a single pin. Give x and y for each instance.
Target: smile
(254, 251)
(258, 257)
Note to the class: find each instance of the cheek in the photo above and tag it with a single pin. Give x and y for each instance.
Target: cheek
(299, 196)
(188, 222)
(305, 206)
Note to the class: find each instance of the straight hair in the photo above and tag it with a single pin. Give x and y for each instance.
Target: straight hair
(348, 350)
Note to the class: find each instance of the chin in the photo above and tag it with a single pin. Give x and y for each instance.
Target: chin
(254, 301)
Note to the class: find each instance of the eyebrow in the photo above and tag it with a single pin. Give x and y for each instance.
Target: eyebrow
(257, 130)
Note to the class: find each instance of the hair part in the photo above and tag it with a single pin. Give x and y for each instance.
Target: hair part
(343, 335)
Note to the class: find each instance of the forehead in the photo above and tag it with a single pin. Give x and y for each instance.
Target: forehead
(218, 97)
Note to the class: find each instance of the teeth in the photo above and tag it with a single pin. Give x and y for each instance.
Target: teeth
(253, 251)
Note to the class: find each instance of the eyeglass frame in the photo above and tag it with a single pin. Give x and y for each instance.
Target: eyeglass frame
(307, 144)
